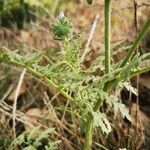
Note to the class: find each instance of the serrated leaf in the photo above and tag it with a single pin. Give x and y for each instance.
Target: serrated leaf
(112, 101)
(101, 121)
(130, 88)
(123, 110)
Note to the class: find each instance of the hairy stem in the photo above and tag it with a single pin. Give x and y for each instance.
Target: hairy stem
(107, 12)
(89, 126)
(89, 133)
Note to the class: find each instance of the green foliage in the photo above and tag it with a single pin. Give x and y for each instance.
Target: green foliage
(130, 88)
(28, 59)
(118, 107)
(80, 87)
(62, 28)
(72, 48)
(100, 120)
(87, 92)
(35, 140)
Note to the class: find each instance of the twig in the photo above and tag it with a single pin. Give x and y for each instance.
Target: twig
(15, 100)
(21, 117)
(50, 107)
(90, 38)
(137, 77)
(63, 116)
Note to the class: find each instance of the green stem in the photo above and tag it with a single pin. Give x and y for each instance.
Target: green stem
(107, 12)
(136, 42)
(41, 77)
(89, 133)
(89, 125)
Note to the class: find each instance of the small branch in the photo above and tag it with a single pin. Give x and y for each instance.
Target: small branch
(41, 77)
(137, 77)
(90, 38)
(15, 101)
(136, 42)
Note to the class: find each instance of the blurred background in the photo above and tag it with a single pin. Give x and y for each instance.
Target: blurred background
(25, 26)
